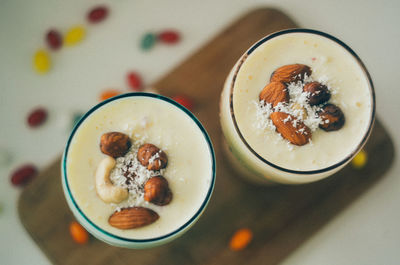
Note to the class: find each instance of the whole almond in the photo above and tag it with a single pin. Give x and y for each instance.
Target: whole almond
(318, 93)
(332, 118)
(290, 73)
(157, 191)
(132, 217)
(152, 157)
(284, 123)
(274, 93)
(115, 144)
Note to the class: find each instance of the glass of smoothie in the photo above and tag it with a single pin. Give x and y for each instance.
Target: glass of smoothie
(296, 108)
(138, 170)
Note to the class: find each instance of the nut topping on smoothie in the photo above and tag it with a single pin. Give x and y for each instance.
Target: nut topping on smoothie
(115, 144)
(156, 190)
(290, 73)
(319, 93)
(132, 217)
(130, 177)
(332, 118)
(292, 104)
(274, 93)
(152, 157)
(298, 134)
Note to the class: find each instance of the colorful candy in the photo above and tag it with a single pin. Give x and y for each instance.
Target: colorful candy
(241, 239)
(169, 36)
(36, 117)
(108, 94)
(184, 101)
(22, 175)
(74, 35)
(360, 160)
(78, 233)
(41, 61)
(134, 81)
(148, 41)
(97, 14)
(75, 119)
(54, 39)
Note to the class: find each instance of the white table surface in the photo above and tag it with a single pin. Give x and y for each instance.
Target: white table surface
(367, 232)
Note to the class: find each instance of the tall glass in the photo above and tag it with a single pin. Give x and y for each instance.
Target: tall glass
(79, 166)
(251, 159)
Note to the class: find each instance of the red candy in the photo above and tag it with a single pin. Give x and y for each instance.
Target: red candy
(22, 175)
(134, 81)
(184, 101)
(54, 39)
(169, 36)
(37, 117)
(97, 14)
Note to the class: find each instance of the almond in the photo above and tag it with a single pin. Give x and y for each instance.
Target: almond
(132, 217)
(332, 118)
(274, 93)
(297, 135)
(318, 93)
(290, 73)
(152, 157)
(115, 144)
(156, 190)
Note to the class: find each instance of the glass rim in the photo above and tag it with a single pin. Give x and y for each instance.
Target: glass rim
(360, 63)
(205, 135)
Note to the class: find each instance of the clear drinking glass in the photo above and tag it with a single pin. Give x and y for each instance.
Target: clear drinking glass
(243, 156)
(107, 236)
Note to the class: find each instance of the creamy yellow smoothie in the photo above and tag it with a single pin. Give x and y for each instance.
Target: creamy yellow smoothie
(253, 139)
(144, 119)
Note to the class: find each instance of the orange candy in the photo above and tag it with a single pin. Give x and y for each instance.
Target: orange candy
(240, 239)
(78, 233)
(106, 94)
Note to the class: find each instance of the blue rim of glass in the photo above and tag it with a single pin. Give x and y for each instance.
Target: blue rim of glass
(200, 126)
(348, 49)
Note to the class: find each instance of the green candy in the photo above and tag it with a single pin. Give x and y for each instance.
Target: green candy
(148, 41)
(75, 119)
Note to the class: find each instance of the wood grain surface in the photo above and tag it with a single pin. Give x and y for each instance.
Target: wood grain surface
(281, 217)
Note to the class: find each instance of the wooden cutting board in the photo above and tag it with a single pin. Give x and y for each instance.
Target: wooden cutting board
(281, 217)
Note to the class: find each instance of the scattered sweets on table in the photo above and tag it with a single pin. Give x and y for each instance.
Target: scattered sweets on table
(97, 14)
(23, 175)
(74, 35)
(360, 160)
(169, 36)
(41, 61)
(134, 81)
(184, 101)
(109, 93)
(241, 239)
(36, 117)
(78, 233)
(148, 40)
(54, 39)
(75, 118)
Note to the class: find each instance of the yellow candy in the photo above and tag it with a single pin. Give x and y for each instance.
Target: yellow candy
(41, 61)
(359, 160)
(74, 35)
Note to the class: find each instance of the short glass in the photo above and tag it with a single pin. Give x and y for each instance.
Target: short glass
(119, 241)
(250, 164)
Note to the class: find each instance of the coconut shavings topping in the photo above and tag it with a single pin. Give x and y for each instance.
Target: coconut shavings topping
(129, 173)
(298, 107)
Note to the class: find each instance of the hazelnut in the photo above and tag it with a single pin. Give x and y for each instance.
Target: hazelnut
(115, 144)
(156, 190)
(152, 157)
(319, 93)
(332, 118)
